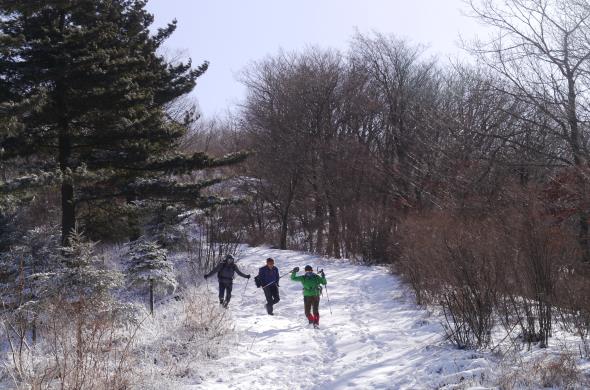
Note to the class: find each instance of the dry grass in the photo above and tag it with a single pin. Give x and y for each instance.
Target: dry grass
(544, 371)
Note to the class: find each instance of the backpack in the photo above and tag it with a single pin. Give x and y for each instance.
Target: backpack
(258, 281)
(318, 287)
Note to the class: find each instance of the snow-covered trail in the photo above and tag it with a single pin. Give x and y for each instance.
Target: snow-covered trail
(375, 338)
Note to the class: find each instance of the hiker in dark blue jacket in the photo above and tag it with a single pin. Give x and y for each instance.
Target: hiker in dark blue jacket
(269, 279)
(225, 274)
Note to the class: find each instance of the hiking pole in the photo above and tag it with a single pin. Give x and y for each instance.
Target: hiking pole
(327, 295)
(251, 345)
(276, 281)
(244, 292)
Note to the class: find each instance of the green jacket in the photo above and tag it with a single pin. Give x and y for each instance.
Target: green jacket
(311, 283)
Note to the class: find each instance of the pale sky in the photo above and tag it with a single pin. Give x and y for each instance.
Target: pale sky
(230, 34)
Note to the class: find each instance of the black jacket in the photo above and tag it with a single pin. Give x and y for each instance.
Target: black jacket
(225, 271)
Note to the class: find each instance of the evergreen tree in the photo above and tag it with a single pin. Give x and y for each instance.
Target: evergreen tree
(38, 274)
(148, 266)
(81, 277)
(7, 228)
(83, 102)
(36, 251)
(166, 226)
(81, 288)
(23, 272)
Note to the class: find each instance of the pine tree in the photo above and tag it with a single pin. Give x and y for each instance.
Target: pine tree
(148, 266)
(39, 276)
(82, 276)
(35, 252)
(24, 269)
(83, 102)
(83, 289)
(7, 228)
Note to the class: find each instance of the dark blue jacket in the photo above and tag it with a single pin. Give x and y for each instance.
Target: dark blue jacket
(268, 276)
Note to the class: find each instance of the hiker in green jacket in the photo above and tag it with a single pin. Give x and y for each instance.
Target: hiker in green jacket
(311, 292)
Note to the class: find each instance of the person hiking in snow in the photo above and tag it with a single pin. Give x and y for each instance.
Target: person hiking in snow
(311, 292)
(225, 274)
(268, 278)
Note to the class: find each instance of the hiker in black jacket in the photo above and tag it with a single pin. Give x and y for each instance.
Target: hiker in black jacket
(225, 273)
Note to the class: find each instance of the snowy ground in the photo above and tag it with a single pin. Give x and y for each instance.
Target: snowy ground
(375, 338)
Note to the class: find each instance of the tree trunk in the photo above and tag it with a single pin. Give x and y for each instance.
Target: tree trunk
(68, 212)
(133, 221)
(151, 296)
(319, 224)
(583, 235)
(284, 232)
(34, 330)
(285, 216)
(333, 232)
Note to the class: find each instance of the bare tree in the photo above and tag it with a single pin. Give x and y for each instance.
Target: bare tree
(541, 48)
(274, 121)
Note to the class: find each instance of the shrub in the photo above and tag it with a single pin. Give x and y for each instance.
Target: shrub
(455, 263)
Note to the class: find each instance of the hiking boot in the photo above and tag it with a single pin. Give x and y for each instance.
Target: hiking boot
(225, 304)
(269, 309)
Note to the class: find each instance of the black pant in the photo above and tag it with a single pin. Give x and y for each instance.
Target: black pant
(312, 305)
(225, 287)
(272, 296)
